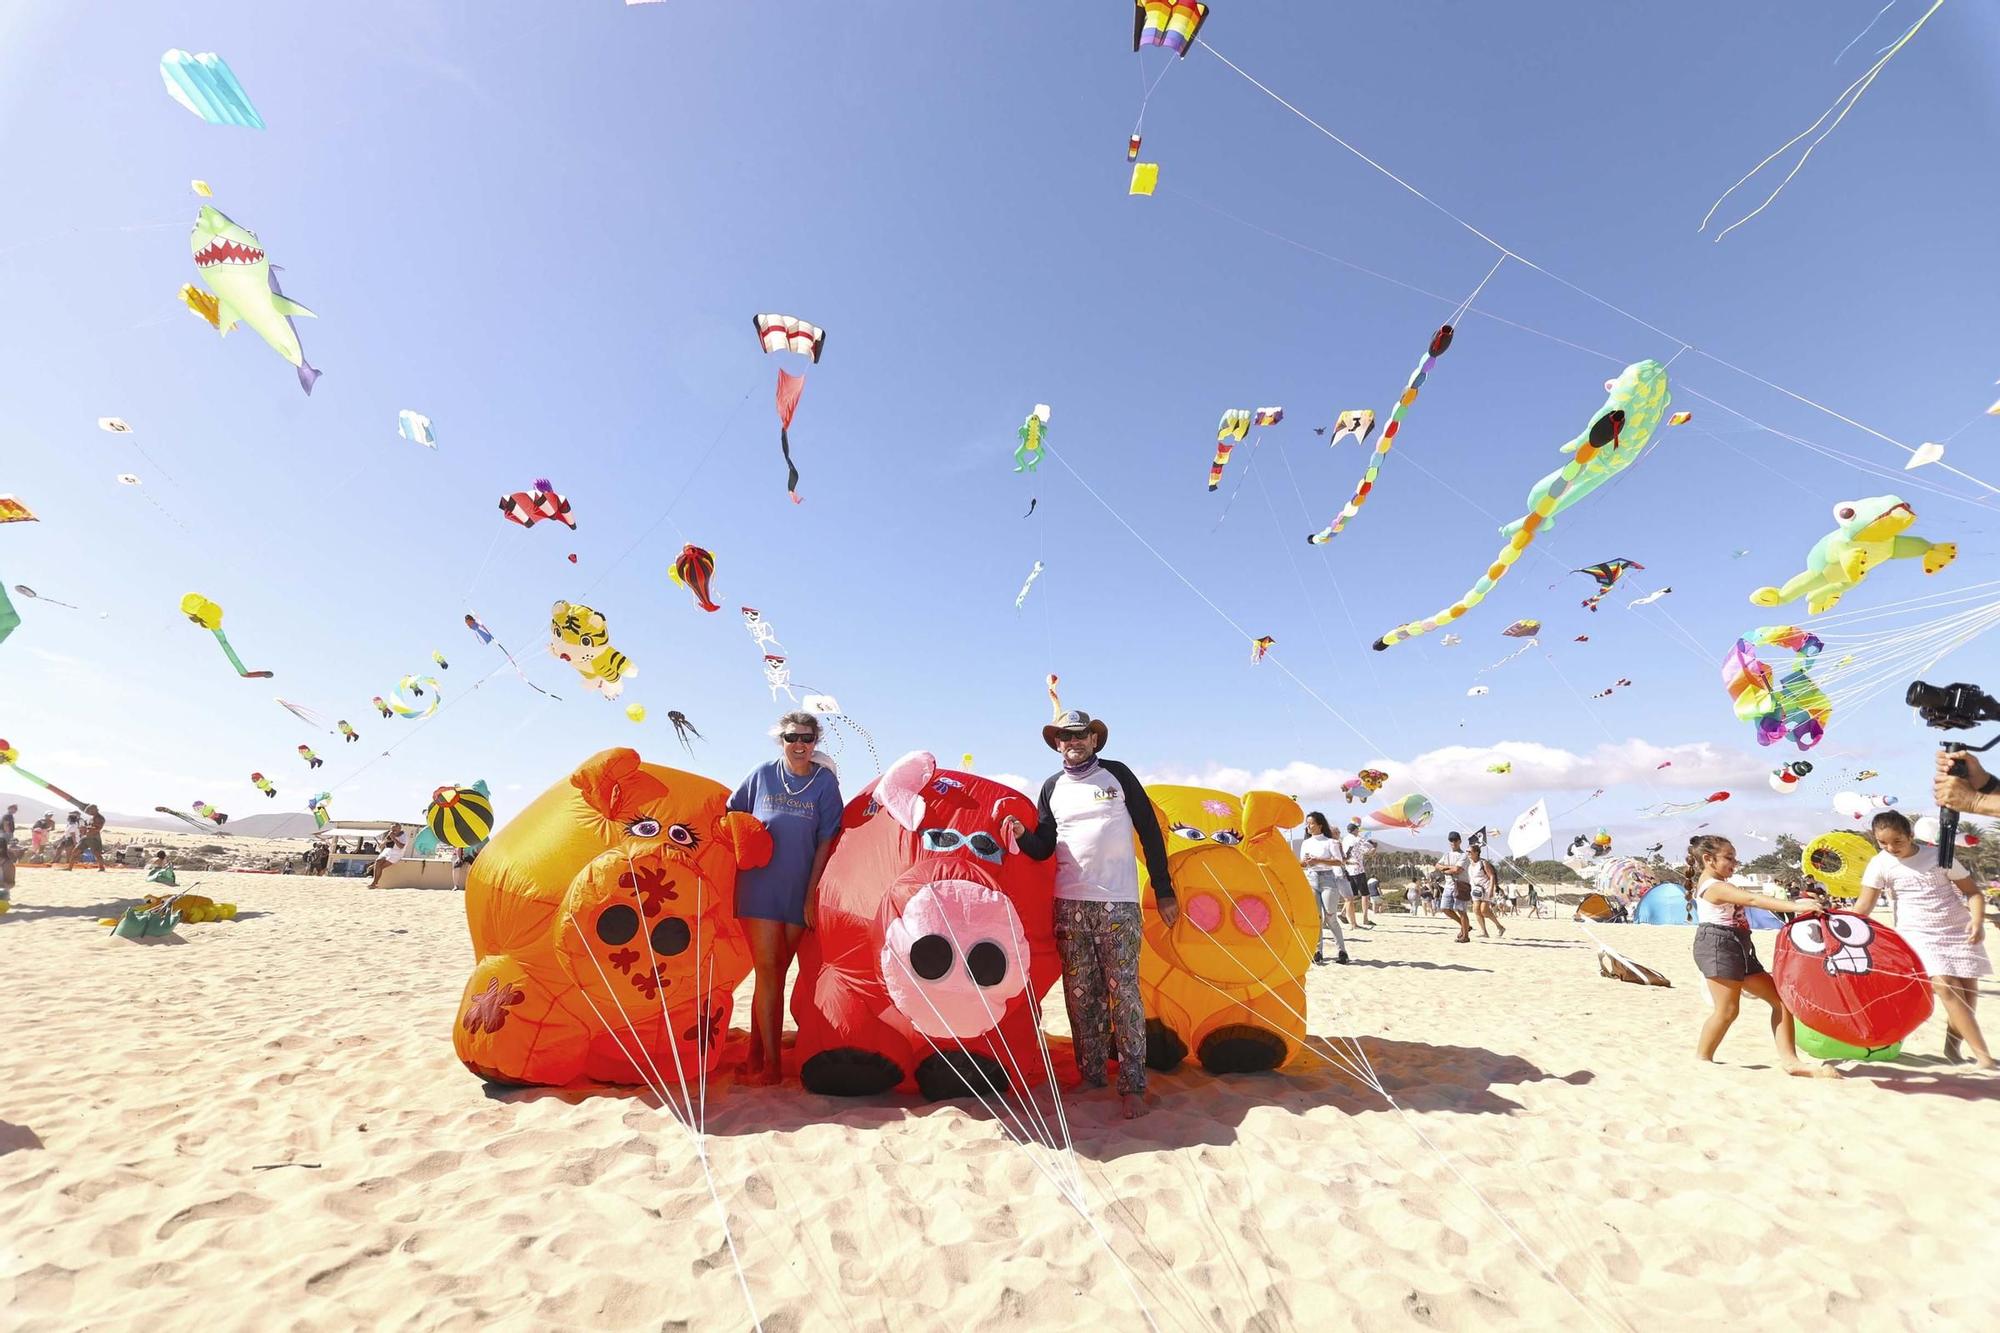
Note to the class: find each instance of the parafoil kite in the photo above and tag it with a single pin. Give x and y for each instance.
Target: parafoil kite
(205, 85)
(1607, 573)
(1267, 416)
(1870, 532)
(1440, 342)
(1172, 24)
(416, 428)
(1785, 777)
(603, 918)
(207, 615)
(1226, 982)
(786, 333)
(1791, 705)
(263, 784)
(530, 507)
(1259, 646)
(581, 637)
(1522, 629)
(1363, 785)
(1357, 425)
(411, 688)
(935, 943)
(1615, 439)
(693, 569)
(312, 760)
(243, 285)
(1851, 978)
(13, 510)
(1021, 598)
(1028, 453)
(1412, 811)
(1229, 433)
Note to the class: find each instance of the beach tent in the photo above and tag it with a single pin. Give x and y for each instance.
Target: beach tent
(1595, 907)
(1665, 904)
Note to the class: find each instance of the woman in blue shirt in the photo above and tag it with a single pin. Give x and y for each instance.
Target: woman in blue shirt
(798, 800)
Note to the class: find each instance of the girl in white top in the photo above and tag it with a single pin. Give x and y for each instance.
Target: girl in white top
(1479, 874)
(1726, 956)
(1324, 862)
(1941, 913)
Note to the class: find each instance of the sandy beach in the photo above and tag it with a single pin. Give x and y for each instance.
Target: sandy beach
(261, 1123)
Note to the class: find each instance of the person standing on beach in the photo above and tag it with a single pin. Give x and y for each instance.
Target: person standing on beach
(89, 838)
(1482, 884)
(1942, 915)
(1727, 956)
(797, 798)
(1455, 894)
(38, 834)
(1088, 815)
(1321, 856)
(7, 824)
(1367, 893)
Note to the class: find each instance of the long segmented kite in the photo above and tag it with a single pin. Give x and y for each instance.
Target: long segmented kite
(206, 614)
(1440, 343)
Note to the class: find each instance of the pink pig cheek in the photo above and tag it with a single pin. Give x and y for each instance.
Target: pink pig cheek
(1252, 916)
(1204, 911)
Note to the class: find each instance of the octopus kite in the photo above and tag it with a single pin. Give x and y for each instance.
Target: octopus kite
(1637, 402)
(683, 729)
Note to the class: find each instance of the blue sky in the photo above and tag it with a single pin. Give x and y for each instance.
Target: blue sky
(547, 228)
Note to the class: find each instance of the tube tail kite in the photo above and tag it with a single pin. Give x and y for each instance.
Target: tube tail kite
(10, 758)
(1637, 403)
(207, 615)
(1229, 433)
(790, 386)
(1440, 344)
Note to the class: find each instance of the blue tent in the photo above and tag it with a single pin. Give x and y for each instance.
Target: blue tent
(1665, 904)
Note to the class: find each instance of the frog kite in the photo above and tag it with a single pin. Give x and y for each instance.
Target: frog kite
(1870, 532)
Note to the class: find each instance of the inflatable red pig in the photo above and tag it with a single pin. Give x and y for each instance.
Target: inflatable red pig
(934, 946)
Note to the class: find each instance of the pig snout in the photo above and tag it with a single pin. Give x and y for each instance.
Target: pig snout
(954, 958)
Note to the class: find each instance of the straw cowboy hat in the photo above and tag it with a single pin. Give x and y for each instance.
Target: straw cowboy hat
(1075, 720)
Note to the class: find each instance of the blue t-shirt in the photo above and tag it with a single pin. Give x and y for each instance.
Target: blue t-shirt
(802, 814)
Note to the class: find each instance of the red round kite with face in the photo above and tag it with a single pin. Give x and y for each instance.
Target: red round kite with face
(1851, 978)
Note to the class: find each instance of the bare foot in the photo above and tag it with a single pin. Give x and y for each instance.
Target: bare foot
(764, 1078)
(1812, 1071)
(1134, 1105)
(1987, 1063)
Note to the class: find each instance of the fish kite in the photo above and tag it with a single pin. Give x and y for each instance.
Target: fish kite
(1028, 453)
(1359, 424)
(207, 615)
(243, 285)
(1229, 433)
(1665, 808)
(205, 85)
(693, 568)
(532, 506)
(1440, 343)
(13, 511)
(1870, 532)
(1021, 597)
(263, 784)
(1259, 646)
(416, 428)
(347, 730)
(312, 760)
(1680, 418)
(1411, 812)
(1607, 573)
(1637, 401)
(1650, 597)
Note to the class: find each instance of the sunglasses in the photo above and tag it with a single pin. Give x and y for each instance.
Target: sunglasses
(1073, 735)
(798, 737)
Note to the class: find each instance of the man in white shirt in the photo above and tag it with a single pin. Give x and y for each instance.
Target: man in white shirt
(1356, 845)
(1088, 816)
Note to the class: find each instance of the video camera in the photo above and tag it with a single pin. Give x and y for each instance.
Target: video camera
(1954, 707)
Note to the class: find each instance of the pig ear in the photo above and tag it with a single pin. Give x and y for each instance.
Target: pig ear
(1266, 810)
(900, 791)
(607, 780)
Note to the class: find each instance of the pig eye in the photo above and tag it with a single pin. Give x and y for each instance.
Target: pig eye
(1191, 833)
(1807, 937)
(643, 828)
(1853, 931)
(930, 957)
(1228, 837)
(987, 962)
(682, 836)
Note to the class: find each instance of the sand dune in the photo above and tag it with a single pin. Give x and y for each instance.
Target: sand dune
(262, 1124)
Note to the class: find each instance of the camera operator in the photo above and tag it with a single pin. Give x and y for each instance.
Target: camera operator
(1976, 793)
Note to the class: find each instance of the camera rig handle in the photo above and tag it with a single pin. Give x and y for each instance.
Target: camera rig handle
(1948, 818)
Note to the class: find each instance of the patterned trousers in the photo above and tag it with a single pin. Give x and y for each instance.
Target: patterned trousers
(1099, 944)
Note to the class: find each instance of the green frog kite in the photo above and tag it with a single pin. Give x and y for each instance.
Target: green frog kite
(1870, 532)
